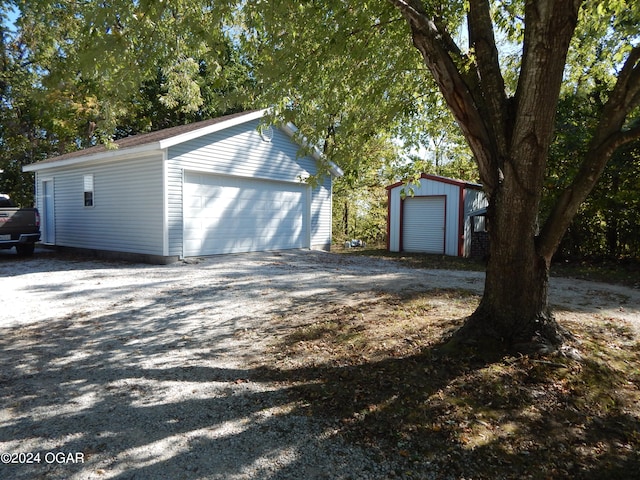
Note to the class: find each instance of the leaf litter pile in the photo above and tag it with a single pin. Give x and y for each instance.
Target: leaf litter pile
(380, 370)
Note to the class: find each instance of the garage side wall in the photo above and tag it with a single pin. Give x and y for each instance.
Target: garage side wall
(241, 151)
(321, 211)
(126, 214)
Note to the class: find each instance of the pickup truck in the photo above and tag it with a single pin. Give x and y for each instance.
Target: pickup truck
(19, 227)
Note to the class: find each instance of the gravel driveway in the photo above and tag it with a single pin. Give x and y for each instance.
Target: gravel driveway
(127, 371)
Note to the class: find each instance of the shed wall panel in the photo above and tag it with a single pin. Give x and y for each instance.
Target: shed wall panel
(426, 187)
(462, 198)
(394, 212)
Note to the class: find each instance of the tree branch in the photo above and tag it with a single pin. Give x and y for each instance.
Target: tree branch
(624, 96)
(434, 44)
(482, 40)
(610, 135)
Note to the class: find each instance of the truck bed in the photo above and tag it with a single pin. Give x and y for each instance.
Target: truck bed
(20, 228)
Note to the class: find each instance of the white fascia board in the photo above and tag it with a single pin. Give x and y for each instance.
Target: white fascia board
(104, 156)
(291, 130)
(335, 170)
(185, 137)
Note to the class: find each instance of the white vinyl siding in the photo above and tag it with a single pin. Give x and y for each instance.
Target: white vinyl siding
(128, 217)
(46, 207)
(321, 211)
(423, 225)
(240, 151)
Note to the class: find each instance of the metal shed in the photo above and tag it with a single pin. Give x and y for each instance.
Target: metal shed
(432, 215)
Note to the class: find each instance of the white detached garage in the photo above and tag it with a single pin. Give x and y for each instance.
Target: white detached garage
(212, 187)
(432, 216)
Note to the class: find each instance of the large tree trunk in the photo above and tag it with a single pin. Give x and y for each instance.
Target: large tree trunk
(514, 312)
(510, 139)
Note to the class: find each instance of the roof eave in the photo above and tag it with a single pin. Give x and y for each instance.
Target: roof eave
(104, 156)
(437, 178)
(116, 154)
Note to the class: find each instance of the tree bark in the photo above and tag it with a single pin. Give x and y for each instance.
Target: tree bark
(514, 312)
(510, 139)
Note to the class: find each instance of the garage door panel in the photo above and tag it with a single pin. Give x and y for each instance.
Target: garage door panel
(423, 224)
(231, 214)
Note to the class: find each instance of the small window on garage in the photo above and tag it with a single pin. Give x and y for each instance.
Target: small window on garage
(88, 190)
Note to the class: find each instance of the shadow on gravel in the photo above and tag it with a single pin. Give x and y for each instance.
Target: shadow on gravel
(191, 421)
(441, 417)
(147, 386)
(160, 390)
(144, 406)
(49, 260)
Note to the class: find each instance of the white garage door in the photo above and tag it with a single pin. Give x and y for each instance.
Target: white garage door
(231, 214)
(423, 224)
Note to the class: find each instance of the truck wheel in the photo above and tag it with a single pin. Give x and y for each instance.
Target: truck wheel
(25, 250)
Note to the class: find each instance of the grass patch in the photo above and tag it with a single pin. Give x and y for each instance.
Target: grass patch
(379, 372)
(624, 272)
(415, 260)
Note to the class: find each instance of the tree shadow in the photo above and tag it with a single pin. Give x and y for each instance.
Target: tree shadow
(457, 414)
(149, 390)
(48, 259)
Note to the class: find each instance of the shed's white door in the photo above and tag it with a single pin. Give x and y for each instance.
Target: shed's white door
(423, 224)
(231, 214)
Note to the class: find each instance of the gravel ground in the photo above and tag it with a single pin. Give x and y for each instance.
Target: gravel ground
(128, 371)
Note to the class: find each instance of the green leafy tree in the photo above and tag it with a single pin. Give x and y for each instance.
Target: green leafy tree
(146, 64)
(34, 123)
(58, 96)
(507, 119)
(359, 199)
(604, 225)
(510, 135)
(223, 90)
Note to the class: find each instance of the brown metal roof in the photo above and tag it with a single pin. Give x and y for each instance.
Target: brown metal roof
(438, 178)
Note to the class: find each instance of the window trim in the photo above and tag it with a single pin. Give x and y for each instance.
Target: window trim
(89, 191)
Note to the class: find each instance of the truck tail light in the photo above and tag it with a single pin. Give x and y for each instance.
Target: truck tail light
(37, 219)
